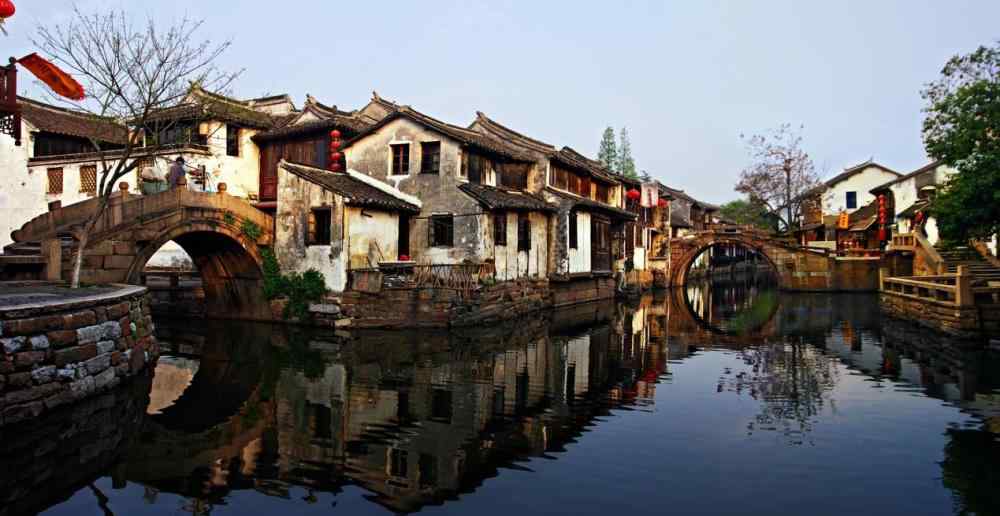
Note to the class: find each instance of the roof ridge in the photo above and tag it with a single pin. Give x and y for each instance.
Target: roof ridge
(480, 116)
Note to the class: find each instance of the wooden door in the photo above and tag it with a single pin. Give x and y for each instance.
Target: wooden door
(600, 244)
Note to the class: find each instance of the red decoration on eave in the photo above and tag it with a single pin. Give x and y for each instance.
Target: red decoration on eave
(633, 194)
(60, 82)
(6, 9)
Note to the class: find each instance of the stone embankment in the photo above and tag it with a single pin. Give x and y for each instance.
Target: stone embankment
(60, 346)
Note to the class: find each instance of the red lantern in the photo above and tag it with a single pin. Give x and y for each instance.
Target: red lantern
(881, 235)
(6, 9)
(633, 194)
(334, 145)
(404, 257)
(334, 134)
(662, 203)
(335, 167)
(335, 157)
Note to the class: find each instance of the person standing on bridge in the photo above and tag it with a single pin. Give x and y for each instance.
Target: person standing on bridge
(177, 176)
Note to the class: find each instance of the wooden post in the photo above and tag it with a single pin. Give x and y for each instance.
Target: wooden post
(883, 273)
(963, 287)
(52, 251)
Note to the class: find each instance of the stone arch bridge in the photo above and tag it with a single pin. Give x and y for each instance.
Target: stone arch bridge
(222, 234)
(796, 267)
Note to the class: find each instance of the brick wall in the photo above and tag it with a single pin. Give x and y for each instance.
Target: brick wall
(54, 353)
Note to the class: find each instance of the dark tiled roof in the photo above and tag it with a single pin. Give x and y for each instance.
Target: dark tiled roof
(590, 205)
(848, 172)
(912, 210)
(493, 198)
(468, 137)
(353, 125)
(569, 157)
(926, 168)
(357, 192)
(216, 110)
(53, 119)
(504, 132)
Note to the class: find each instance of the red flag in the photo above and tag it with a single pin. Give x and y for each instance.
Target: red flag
(60, 81)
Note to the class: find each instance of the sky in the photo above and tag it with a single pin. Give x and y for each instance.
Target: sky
(686, 78)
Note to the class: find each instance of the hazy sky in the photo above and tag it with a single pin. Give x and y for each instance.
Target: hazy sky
(685, 78)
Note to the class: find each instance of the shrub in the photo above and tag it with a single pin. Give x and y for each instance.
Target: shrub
(250, 230)
(300, 289)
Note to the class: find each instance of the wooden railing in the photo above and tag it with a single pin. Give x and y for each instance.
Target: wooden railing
(918, 244)
(954, 289)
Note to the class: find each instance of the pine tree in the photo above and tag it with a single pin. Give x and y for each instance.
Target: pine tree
(608, 153)
(626, 165)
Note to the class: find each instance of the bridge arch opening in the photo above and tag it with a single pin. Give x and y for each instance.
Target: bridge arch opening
(228, 265)
(730, 287)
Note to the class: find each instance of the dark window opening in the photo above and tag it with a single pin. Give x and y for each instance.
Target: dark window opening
(500, 228)
(428, 470)
(403, 406)
(476, 166)
(176, 133)
(852, 200)
(514, 176)
(400, 159)
(602, 193)
(573, 236)
(430, 157)
(523, 232)
(442, 229)
(522, 383)
(322, 421)
(398, 463)
(319, 226)
(404, 235)
(441, 405)
(232, 140)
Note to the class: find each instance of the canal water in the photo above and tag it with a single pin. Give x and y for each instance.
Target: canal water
(722, 398)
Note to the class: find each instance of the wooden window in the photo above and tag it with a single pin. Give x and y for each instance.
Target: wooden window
(584, 190)
(574, 183)
(477, 168)
(88, 179)
(427, 466)
(602, 193)
(319, 226)
(640, 231)
(400, 159)
(55, 184)
(523, 232)
(404, 235)
(442, 230)
(514, 176)
(232, 140)
(500, 228)
(573, 236)
(560, 178)
(441, 402)
(430, 157)
(398, 462)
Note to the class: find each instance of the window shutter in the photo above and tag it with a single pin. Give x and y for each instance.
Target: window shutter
(311, 235)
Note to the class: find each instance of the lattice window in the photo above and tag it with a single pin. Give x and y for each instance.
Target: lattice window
(88, 179)
(55, 177)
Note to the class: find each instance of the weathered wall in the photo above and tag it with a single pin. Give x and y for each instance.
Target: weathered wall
(444, 307)
(372, 156)
(509, 262)
(373, 236)
(296, 197)
(582, 290)
(22, 194)
(56, 353)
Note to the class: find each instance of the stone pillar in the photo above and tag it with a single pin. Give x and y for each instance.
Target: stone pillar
(963, 287)
(52, 252)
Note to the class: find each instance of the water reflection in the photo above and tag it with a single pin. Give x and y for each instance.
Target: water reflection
(582, 410)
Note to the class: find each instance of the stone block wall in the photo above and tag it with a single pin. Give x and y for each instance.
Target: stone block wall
(961, 322)
(582, 290)
(58, 352)
(443, 307)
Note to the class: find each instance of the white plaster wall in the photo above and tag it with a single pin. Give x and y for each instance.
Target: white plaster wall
(579, 258)
(21, 194)
(373, 237)
(241, 174)
(511, 263)
(835, 197)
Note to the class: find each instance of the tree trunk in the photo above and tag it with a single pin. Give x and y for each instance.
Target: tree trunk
(83, 237)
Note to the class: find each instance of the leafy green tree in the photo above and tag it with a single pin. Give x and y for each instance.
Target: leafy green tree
(962, 129)
(742, 211)
(626, 165)
(608, 153)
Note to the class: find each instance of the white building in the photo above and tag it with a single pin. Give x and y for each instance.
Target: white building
(912, 193)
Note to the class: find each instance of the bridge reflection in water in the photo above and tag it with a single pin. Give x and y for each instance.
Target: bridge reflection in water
(264, 419)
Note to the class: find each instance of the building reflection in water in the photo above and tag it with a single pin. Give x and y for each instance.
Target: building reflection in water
(421, 418)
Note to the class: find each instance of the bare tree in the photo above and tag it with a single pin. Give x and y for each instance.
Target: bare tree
(780, 172)
(131, 72)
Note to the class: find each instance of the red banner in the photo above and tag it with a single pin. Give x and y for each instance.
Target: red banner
(60, 82)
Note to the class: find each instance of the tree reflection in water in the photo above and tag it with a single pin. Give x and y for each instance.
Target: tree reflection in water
(792, 381)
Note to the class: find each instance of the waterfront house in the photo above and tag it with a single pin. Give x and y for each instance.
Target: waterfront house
(848, 191)
(476, 202)
(56, 161)
(909, 197)
(336, 222)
